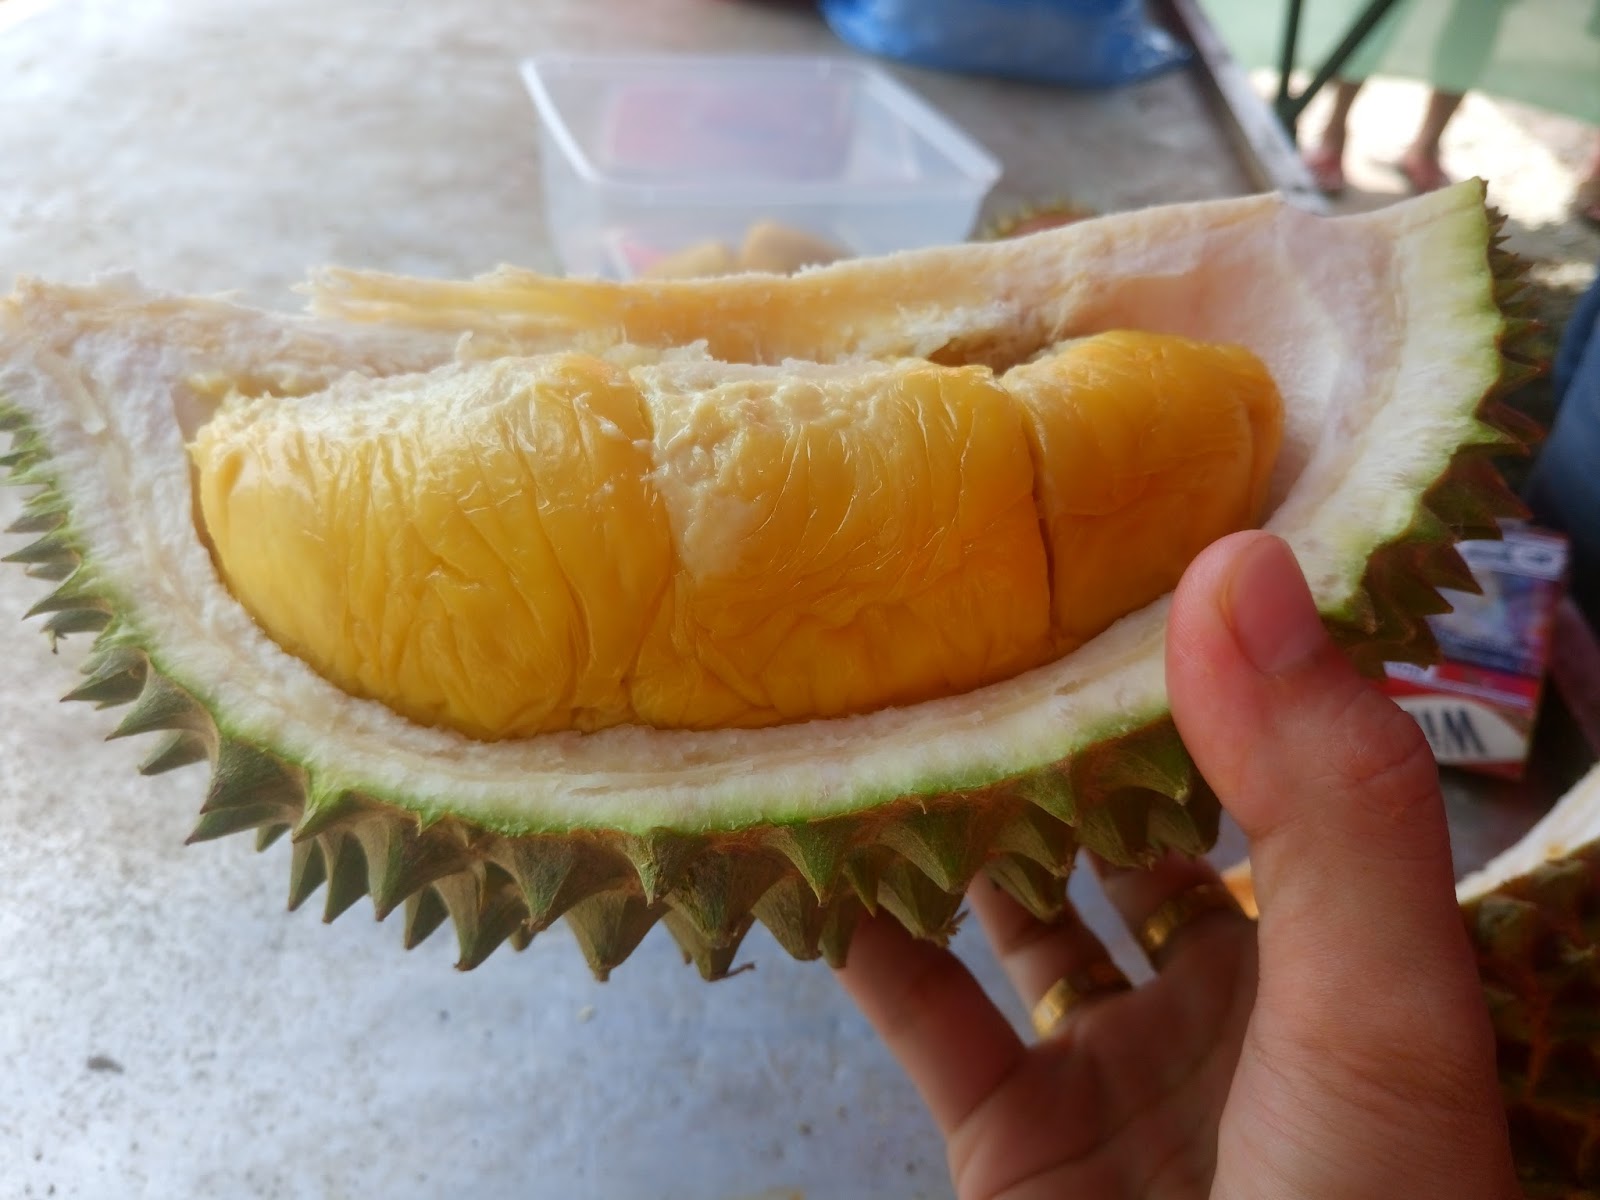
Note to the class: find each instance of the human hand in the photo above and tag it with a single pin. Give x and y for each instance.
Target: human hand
(1340, 1048)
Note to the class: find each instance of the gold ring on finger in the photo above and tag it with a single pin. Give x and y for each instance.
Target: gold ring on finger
(1075, 988)
(1181, 911)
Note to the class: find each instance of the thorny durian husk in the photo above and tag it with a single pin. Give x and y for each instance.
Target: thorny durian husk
(1124, 788)
(1534, 918)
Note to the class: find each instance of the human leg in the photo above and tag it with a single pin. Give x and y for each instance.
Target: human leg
(1325, 159)
(1420, 163)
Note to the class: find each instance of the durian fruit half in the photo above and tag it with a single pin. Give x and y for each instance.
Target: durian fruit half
(1534, 916)
(1386, 336)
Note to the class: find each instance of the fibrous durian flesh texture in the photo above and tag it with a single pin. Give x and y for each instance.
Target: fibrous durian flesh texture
(762, 598)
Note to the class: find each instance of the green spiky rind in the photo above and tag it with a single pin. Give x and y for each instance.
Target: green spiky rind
(79, 604)
(1040, 890)
(707, 889)
(801, 880)
(1130, 795)
(1536, 940)
(1386, 621)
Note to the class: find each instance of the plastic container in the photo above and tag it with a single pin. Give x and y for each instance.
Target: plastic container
(645, 156)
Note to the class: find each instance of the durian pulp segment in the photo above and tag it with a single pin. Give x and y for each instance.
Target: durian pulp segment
(521, 545)
(1146, 449)
(1381, 331)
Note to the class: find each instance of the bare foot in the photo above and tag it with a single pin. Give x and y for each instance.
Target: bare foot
(1326, 164)
(1422, 171)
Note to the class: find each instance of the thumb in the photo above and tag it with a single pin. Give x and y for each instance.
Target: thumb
(1331, 782)
(1365, 964)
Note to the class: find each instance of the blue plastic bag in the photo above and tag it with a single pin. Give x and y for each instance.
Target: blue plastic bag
(1081, 43)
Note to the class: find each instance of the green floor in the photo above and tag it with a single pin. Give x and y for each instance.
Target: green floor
(1541, 52)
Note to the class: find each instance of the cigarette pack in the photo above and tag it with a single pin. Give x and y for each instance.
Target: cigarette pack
(1479, 702)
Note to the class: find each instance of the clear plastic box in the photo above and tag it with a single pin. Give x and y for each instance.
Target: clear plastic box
(644, 156)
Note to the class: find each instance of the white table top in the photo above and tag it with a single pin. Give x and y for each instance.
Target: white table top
(166, 1029)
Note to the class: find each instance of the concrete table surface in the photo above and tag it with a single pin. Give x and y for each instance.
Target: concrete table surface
(166, 1030)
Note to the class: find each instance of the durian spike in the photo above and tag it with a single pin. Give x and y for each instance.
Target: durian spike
(713, 957)
(791, 913)
(1041, 891)
(985, 303)
(609, 925)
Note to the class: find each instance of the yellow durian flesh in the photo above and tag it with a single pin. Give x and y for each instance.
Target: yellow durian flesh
(1146, 448)
(568, 541)
(1383, 332)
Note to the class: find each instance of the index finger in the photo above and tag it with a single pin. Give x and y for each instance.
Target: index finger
(945, 1032)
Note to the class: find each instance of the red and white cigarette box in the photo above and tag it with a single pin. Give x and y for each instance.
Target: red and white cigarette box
(1478, 704)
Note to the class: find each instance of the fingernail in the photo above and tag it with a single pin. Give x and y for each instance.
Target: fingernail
(1269, 608)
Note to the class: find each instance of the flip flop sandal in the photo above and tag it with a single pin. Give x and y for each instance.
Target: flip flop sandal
(1414, 183)
(1327, 172)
